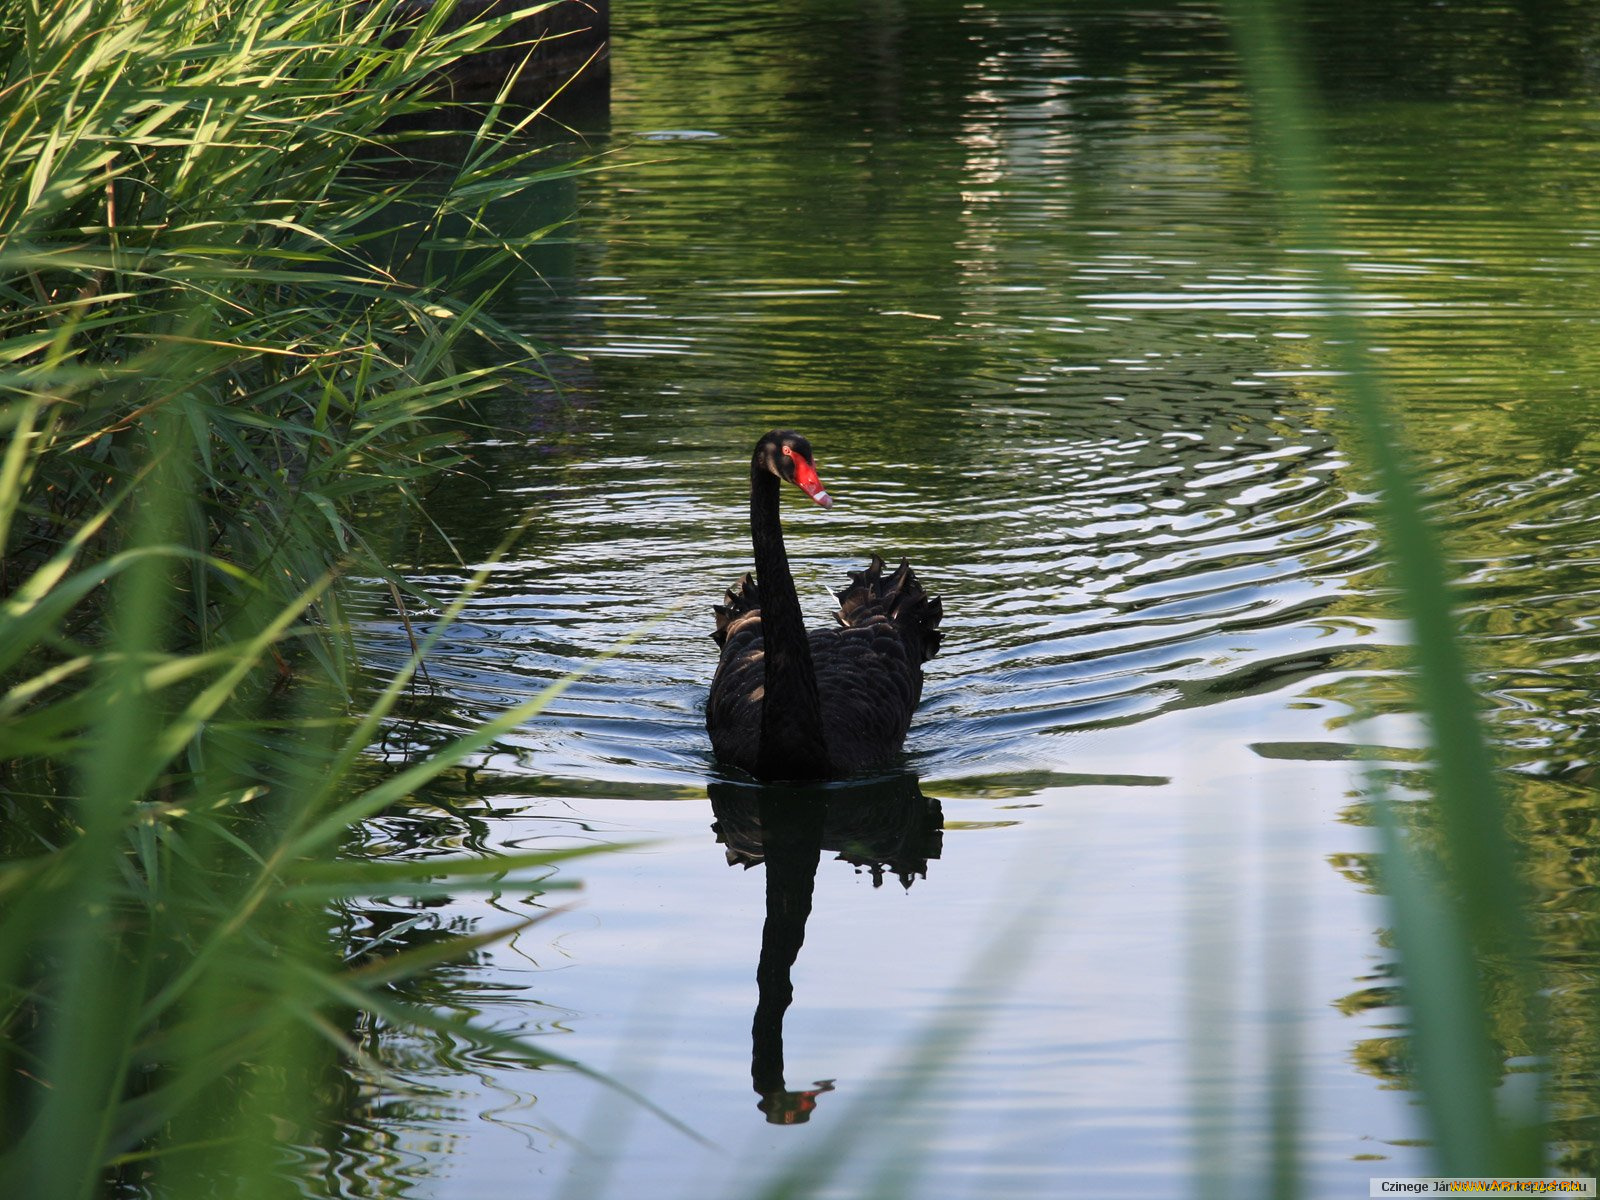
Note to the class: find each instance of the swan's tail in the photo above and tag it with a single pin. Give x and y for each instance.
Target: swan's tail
(897, 596)
(740, 599)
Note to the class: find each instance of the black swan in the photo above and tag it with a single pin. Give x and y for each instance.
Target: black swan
(787, 704)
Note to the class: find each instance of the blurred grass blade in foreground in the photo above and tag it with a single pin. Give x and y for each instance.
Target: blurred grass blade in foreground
(1459, 905)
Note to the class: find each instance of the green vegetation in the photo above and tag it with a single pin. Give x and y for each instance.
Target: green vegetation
(225, 324)
(1458, 900)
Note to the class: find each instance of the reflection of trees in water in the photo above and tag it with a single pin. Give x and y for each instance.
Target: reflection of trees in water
(1555, 821)
(886, 827)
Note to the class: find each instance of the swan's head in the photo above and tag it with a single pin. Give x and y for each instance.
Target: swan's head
(788, 456)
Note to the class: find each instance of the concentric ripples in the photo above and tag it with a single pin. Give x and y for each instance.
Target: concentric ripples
(1115, 450)
(1088, 581)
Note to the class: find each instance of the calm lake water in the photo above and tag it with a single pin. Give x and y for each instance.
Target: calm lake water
(1018, 273)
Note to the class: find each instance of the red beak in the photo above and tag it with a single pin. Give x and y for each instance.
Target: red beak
(805, 476)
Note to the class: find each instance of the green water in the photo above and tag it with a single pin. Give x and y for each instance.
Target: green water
(1018, 273)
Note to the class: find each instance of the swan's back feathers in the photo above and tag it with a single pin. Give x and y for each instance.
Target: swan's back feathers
(868, 668)
(733, 708)
(897, 597)
(743, 600)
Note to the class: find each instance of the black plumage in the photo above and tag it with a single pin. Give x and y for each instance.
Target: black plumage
(828, 703)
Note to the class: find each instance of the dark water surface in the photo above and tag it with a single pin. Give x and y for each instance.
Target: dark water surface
(1016, 272)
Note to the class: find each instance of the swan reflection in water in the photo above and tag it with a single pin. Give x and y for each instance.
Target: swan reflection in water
(886, 827)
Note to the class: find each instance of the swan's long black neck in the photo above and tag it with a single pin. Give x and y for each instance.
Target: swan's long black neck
(792, 742)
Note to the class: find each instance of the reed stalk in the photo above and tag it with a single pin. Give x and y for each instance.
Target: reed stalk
(233, 310)
(1459, 903)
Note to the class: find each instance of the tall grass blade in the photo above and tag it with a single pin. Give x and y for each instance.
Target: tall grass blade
(1477, 868)
(228, 334)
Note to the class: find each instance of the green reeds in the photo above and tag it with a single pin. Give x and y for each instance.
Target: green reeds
(226, 320)
(1458, 901)
(216, 193)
